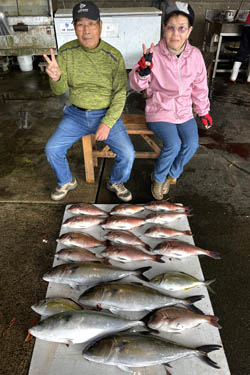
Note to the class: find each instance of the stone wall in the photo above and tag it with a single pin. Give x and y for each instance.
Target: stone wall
(199, 7)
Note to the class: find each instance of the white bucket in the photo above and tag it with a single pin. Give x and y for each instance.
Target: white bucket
(25, 63)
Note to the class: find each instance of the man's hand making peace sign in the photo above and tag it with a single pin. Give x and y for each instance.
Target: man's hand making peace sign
(53, 70)
(145, 63)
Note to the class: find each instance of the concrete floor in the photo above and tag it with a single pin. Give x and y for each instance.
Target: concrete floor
(215, 184)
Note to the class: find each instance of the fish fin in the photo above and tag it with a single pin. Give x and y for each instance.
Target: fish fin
(188, 232)
(147, 247)
(158, 258)
(74, 286)
(167, 371)
(207, 284)
(143, 269)
(106, 261)
(212, 254)
(195, 309)
(125, 368)
(114, 310)
(193, 299)
(204, 350)
(213, 320)
(99, 307)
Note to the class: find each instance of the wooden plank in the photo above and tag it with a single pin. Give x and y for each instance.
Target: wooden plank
(151, 143)
(88, 159)
(58, 359)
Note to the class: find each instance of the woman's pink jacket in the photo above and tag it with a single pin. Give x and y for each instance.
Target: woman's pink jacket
(175, 87)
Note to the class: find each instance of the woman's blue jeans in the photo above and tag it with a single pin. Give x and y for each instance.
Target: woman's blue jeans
(180, 142)
(77, 123)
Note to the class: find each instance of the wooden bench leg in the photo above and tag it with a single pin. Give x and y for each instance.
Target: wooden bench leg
(88, 158)
(95, 160)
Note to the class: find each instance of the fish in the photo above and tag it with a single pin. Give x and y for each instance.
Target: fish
(126, 209)
(82, 221)
(122, 222)
(80, 240)
(180, 249)
(126, 237)
(117, 297)
(75, 327)
(158, 231)
(86, 209)
(165, 217)
(128, 253)
(89, 273)
(54, 305)
(140, 350)
(76, 254)
(176, 281)
(177, 319)
(165, 206)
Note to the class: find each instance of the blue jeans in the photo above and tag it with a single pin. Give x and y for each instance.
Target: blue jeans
(74, 125)
(180, 142)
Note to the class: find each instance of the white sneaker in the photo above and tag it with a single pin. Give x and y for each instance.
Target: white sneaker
(61, 191)
(120, 190)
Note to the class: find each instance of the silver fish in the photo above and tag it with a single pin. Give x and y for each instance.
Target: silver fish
(86, 209)
(117, 297)
(54, 305)
(122, 222)
(166, 217)
(76, 254)
(126, 209)
(165, 206)
(177, 319)
(79, 239)
(176, 281)
(89, 273)
(127, 253)
(74, 327)
(125, 237)
(181, 249)
(158, 231)
(137, 350)
(82, 221)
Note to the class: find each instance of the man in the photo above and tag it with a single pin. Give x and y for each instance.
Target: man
(95, 74)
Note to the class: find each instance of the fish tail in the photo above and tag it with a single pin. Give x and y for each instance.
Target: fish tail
(193, 299)
(204, 350)
(141, 271)
(213, 320)
(158, 258)
(213, 254)
(207, 284)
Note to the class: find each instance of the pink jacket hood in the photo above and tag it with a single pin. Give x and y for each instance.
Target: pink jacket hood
(174, 85)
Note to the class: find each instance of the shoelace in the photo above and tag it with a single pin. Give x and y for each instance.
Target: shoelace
(121, 187)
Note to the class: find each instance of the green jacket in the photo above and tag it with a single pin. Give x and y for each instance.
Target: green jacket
(96, 78)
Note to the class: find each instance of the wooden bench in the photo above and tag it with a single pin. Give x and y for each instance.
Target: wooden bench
(135, 124)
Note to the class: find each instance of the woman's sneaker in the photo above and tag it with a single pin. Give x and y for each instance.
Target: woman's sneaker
(120, 190)
(166, 186)
(62, 191)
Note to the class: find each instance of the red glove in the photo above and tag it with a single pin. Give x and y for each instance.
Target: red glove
(143, 68)
(207, 121)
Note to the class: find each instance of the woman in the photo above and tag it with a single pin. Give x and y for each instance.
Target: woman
(243, 53)
(174, 76)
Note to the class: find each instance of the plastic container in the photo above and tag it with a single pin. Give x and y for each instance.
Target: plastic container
(25, 63)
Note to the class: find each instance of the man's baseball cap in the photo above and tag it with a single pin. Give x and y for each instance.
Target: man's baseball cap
(180, 8)
(86, 9)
